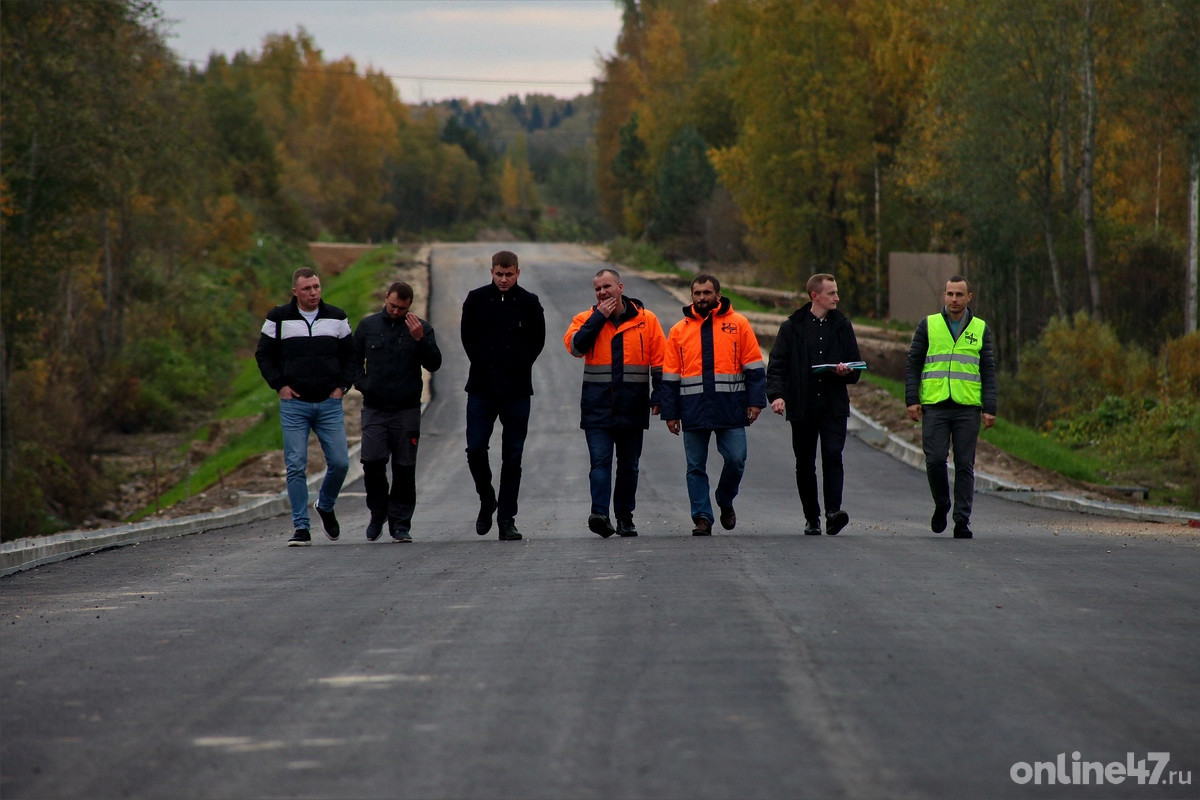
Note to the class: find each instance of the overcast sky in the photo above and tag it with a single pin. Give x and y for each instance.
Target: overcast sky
(493, 48)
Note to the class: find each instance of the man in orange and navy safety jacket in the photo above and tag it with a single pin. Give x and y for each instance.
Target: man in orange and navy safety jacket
(622, 344)
(714, 380)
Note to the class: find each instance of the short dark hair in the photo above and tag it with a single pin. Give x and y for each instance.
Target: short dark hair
(303, 272)
(816, 282)
(505, 258)
(610, 271)
(704, 277)
(401, 289)
(959, 279)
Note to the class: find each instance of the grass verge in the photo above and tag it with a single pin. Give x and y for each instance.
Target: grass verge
(1024, 443)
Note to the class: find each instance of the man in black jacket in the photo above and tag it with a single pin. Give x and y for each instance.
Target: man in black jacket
(503, 331)
(806, 380)
(390, 348)
(305, 354)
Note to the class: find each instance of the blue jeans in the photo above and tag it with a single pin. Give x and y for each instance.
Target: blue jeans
(601, 442)
(731, 444)
(941, 425)
(482, 413)
(325, 419)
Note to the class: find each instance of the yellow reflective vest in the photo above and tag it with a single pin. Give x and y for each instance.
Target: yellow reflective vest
(952, 366)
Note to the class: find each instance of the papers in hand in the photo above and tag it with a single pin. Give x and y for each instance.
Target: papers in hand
(833, 367)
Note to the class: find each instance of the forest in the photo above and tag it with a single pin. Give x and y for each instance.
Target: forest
(148, 208)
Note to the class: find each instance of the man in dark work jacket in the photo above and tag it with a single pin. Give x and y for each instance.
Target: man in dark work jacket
(503, 331)
(390, 349)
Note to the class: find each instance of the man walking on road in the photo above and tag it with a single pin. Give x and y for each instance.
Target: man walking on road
(503, 331)
(949, 379)
(621, 342)
(714, 381)
(390, 348)
(815, 401)
(305, 354)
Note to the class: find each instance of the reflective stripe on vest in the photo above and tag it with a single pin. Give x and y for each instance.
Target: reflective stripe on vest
(952, 366)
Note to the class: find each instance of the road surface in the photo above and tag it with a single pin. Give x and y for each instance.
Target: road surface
(760, 663)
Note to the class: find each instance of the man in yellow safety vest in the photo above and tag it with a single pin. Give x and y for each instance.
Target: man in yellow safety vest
(950, 382)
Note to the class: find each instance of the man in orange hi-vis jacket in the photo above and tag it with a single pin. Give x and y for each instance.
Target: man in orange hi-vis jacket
(621, 343)
(714, 381)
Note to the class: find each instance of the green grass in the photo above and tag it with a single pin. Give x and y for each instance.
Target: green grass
(263, 436)
(357, 291)
(1036, 448)
(1024, 443)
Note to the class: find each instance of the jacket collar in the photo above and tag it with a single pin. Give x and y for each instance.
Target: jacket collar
(800, 314)
(633, 307)
(296, 306)
(967, 316)
(723, 308)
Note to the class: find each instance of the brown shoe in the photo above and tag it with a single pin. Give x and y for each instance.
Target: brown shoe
(728, 518)
(703, 527)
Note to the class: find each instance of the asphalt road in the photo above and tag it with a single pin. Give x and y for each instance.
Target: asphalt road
(760, 663)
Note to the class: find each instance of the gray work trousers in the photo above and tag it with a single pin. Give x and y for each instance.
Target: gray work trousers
(941, 426)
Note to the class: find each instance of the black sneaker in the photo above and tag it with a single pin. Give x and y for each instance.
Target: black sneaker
(835, 522)
(625, 527)
(812, 529)
(300, 538)
(703, 526)
(402, 536)
(483, 523)
(508, 530)
(937, 523)
(600, 525)
(375, 528)
(728, 518)
(329, 520)
(962, 531)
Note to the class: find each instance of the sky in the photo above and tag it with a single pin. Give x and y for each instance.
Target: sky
(433, 49)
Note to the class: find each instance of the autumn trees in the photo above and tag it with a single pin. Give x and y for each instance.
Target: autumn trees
(150, 213)
(1053, 146)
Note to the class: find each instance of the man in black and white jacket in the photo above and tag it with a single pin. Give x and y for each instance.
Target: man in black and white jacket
(306, 355)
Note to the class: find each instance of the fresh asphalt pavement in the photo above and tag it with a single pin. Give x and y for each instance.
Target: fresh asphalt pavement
(883, 662)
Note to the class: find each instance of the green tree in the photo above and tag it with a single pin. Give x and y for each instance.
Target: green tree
(105, 180)
(684, 184)
(804, 130)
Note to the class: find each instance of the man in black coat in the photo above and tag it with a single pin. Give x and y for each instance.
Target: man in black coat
(503, 331)
(806, 380)
(390, 348)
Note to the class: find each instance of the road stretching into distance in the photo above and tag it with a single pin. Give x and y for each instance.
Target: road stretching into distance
(759, 663)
